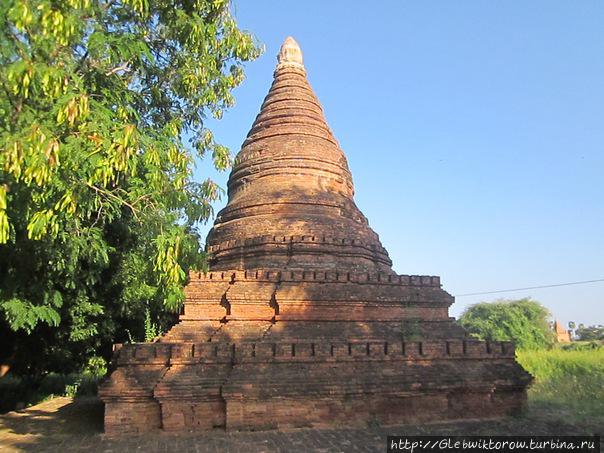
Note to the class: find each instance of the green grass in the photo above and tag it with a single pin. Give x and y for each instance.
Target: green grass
(568, 381)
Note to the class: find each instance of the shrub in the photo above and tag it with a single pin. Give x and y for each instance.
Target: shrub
(16, 391)
(523, 321)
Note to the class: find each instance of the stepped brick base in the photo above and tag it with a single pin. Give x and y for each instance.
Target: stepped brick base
(253, 351)
(252, 386)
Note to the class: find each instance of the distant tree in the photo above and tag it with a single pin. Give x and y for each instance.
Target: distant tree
(103, 106)
(571, 328)
(590, 333)
(523, 321)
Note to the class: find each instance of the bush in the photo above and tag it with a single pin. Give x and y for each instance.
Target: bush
(18, 391)
(523, 321)
(12, 391)
(580, 346)
(590, 333)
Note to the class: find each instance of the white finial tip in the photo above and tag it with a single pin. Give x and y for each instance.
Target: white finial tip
(290, 54)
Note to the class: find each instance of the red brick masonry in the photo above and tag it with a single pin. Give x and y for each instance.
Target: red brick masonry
(302, 322)
(184, 386)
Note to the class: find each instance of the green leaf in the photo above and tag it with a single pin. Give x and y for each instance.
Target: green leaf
(101, 120)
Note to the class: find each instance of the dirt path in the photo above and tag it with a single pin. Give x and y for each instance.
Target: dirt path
(63, 425)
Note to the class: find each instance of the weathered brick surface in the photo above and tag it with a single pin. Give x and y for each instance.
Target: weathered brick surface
(301, 320)
(65, 425)
(132, 417)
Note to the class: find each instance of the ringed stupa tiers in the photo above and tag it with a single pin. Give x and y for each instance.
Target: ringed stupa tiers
(301, 320)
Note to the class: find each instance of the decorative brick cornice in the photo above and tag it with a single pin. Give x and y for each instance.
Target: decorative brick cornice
(221, 352)
(315, 276)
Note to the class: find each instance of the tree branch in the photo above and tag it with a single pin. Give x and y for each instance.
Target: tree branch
(122, 67)
(115, 197)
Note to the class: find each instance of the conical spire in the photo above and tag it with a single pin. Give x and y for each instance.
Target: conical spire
(291, 179)
(291, 108)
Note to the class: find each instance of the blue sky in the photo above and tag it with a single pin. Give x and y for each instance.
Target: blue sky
(474, 132)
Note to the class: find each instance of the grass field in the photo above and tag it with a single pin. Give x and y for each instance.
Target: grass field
(568, 382)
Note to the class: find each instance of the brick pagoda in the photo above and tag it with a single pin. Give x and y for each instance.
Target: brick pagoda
(301, 320)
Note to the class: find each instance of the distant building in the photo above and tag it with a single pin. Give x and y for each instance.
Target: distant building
(562, 335)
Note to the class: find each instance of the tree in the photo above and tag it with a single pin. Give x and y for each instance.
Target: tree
(523, 321)
(590, 333)
(102, 116)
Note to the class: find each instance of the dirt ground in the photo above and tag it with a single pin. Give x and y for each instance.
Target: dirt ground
(64, 425)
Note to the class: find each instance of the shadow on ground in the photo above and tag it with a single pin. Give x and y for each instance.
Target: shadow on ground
(51, 423)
